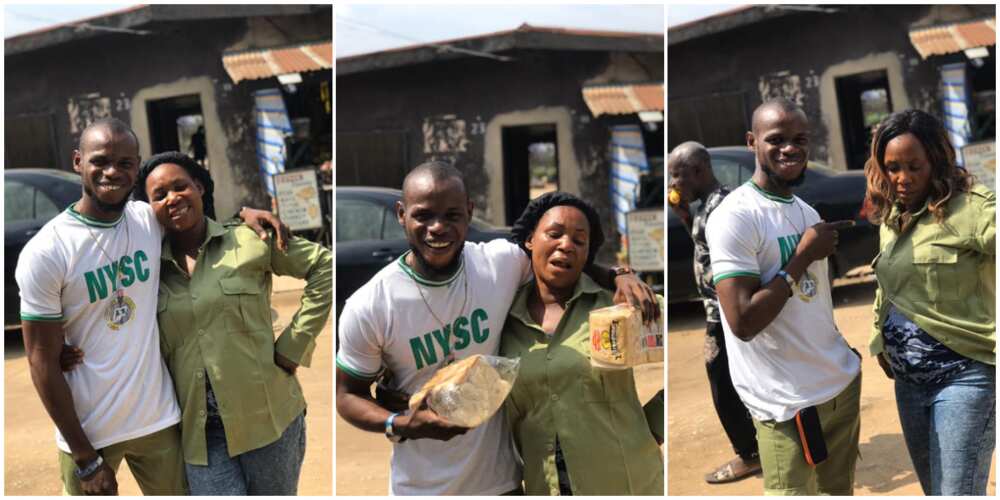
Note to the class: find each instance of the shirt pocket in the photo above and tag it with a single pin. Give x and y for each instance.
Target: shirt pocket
(244, 310)
(937, 267)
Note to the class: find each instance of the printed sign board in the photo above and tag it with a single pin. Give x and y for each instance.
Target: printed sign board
(298, 199)
(645, 239)
(981, 161)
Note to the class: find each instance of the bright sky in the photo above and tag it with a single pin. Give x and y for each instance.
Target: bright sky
(19, 18)
(369, 28)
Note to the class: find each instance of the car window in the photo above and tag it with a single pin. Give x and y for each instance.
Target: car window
(18, 203)
(727, 171)
(391, 230)
(358, 220)
(45, 208)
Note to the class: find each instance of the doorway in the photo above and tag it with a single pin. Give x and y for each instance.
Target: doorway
(530, 165)
(177, 124)
(863, 100)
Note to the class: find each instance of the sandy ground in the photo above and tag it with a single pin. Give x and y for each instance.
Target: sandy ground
(363, 457)
(30, 458)
(697, 443)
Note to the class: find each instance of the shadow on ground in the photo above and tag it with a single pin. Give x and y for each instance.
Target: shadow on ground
(873, 475)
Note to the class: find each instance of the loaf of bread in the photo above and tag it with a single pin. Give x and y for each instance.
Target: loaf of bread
(619, 338)
(470, 391)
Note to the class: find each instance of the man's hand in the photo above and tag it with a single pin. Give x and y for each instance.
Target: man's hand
(882, 362)
(820, 240)
(285, 364)
(425, 424)
(69, 357)
(102, 482)
(392, 400)
(631, 290)
(258, 219)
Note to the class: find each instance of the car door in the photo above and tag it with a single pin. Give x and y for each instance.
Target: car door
(26, 210)
(368, 238)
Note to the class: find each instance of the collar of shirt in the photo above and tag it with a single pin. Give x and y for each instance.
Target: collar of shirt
(212, 230)
(519, 308)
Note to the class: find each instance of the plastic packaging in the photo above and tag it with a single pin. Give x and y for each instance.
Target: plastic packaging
(619, 339)
(468, 392)
(674, 198)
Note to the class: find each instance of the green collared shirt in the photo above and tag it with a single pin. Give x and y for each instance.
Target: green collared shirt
(942, 276)
(217, 323)
(605, 434)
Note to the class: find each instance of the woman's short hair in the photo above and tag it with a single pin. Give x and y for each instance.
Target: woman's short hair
(525, 225)
(946, 176)
(196, 171)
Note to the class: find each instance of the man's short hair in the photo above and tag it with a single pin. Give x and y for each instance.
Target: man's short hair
(114, 125)
(780, 104)
(438, 171)
(691, 153)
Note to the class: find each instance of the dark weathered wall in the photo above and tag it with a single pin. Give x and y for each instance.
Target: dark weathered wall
(790, 57)
(471, 97)
(65, 80)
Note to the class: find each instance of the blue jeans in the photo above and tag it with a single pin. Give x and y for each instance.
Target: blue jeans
(271, 470)
(949, 429)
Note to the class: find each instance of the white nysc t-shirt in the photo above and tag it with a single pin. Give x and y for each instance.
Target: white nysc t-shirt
(800, 359)
(67, 272)
(391, 321)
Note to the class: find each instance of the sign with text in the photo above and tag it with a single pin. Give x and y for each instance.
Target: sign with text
(980, 160)
(644, 229)
(298, 199)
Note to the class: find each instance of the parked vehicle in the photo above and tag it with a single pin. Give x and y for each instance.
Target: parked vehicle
(32, 196)
(369, 235)
(836, 195)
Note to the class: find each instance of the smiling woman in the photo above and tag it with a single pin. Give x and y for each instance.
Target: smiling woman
(242, 409)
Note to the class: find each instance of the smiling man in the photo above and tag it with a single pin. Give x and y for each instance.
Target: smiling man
(90, 278)
(445, 299)
(790, 365)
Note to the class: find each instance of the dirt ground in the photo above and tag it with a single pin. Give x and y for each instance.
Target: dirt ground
(363, 457)
(30, 457)
(696, 443)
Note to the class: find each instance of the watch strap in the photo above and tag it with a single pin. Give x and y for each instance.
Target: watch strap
(788, 279)
(89, 469)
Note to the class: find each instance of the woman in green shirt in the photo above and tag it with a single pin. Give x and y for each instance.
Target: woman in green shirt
(579, 430)
(935, 308)
(242, 423)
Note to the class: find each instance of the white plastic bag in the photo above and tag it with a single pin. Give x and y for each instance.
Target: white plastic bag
(468, 392)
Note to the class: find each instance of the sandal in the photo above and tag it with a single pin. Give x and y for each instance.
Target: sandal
(728, 472)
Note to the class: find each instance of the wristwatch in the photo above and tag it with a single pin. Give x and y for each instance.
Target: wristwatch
(89, 469)
(620, 270)
(390, 433)
(788, 279)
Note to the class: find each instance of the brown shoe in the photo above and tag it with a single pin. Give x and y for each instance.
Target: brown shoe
(733, 470)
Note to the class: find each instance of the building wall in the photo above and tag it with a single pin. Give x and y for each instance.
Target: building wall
(799, 57)
(117, 74)
(455, 111)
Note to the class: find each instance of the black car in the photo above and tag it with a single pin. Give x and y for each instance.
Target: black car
(836, 195)
(369, 235)
(32, 196)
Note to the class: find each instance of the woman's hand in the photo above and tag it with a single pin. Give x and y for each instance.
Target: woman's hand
(285, 364)
(629, 289)
(69, 357)
(885, 365)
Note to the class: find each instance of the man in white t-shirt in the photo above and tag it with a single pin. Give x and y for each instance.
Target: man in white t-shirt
(443, 300)
(90, 279)
(787, 359)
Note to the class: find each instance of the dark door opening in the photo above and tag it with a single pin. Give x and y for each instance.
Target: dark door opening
(530, 165)
(172, 124)
(863, 100)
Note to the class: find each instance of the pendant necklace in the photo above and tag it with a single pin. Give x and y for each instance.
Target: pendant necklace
(465, 282)
(806, 283)
(122, 307)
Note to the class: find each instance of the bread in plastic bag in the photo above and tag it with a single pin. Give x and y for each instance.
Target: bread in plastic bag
(619, 339)
(468, 392)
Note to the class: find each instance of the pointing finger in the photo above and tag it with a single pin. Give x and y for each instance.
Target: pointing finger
(841, 224)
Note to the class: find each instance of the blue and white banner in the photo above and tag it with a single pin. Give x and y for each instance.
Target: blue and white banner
(955, 104)
(628, 163)
(272, 127)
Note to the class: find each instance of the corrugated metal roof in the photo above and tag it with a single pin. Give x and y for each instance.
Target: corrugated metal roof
(941, 40)
(268, 63)
(624, 99)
